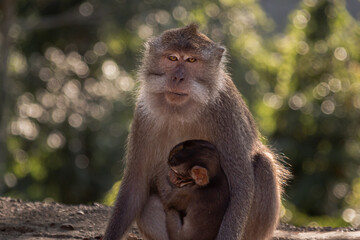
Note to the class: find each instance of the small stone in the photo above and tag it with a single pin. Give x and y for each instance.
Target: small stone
(68, 227)
(80, 212)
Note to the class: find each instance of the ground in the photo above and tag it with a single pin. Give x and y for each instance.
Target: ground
(48, 221)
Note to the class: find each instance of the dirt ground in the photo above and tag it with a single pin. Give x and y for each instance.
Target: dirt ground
(38, 220)
(49, 221)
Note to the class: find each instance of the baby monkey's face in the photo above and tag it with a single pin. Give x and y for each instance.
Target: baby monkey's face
(193, 162)
(182, 176)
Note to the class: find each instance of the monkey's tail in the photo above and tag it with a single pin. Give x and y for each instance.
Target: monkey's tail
(282, 170)
(282, 167)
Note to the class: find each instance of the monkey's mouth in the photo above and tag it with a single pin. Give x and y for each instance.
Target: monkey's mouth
(185, 183)
(176, 97)
(178, 93)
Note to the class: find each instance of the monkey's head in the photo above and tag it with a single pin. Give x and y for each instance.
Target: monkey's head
(181, 73)
(193, 161)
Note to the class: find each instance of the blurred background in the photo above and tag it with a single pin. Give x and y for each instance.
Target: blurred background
(68, 78)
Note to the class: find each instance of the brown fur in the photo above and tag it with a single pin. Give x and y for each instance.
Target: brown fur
(211, 109)
(197, 203)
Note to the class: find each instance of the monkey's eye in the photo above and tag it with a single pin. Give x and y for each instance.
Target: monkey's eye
(191, 59)
(172, 58)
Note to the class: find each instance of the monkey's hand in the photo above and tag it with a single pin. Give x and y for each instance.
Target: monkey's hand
(178, 180)
(174, 178)
(200, 175)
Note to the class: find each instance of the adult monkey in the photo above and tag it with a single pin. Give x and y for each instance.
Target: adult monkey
(185, 93)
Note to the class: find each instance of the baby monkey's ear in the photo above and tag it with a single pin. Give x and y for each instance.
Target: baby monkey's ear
(200, 175)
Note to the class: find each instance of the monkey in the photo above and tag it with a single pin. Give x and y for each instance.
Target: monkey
(185, 92)
(196, 205)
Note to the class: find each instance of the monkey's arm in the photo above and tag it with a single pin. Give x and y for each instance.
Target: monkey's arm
(236, 142)
(241, 186)
(127, 206)
(133, 191)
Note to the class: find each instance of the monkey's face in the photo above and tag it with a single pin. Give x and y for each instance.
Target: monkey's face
(181, 73)
(182, 175)
(182, 84)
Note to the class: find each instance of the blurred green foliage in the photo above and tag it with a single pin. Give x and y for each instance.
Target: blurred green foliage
(72, 68)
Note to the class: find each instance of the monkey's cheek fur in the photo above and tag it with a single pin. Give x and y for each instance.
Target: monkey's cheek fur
(176, 98)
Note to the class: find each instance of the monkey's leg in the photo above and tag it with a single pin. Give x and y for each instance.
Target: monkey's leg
(174, 224)
(264, 213)
(151, 222)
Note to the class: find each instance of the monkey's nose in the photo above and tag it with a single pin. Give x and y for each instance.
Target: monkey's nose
(178, 79)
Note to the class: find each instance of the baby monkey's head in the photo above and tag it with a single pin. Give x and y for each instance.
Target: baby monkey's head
(193, 162)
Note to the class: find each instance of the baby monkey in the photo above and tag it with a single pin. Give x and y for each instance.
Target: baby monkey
(200, 193)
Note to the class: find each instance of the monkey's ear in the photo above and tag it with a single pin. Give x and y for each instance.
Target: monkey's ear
(149, 43)
(200, 175)
(152, 44)
(220, 52)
